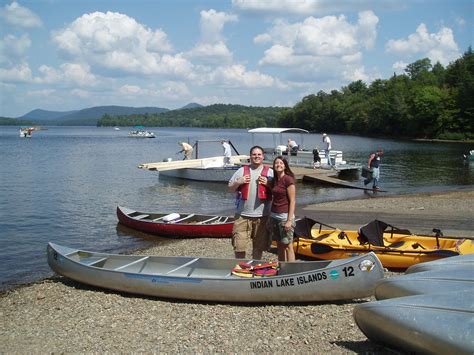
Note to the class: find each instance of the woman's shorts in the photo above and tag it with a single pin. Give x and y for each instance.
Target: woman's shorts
(279, 234)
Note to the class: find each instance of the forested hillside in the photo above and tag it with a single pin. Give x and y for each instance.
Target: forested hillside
(213, 116)
(428, 101)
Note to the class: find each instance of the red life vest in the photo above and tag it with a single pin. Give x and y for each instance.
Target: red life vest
(263, 191)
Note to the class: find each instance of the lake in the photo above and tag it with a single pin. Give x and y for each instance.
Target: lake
(64, 184)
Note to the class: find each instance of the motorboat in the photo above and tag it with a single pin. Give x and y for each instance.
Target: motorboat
(301, 157)
(141, 134)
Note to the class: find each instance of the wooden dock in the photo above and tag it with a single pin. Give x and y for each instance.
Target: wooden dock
(325, 177)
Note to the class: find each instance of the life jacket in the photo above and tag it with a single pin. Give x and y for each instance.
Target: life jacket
(263, 191)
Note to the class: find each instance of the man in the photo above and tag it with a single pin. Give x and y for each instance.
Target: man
(227, 152)
(187, 149)
(253, 203)
(327, 148)
(374, 165)
(292, 147)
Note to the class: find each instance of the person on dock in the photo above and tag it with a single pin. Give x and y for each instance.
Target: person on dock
(316, 158)
(374, 166)
(227, 152)
(292, 147)
(282, 216)
(327, 148)
(253, 203)
(187, 149)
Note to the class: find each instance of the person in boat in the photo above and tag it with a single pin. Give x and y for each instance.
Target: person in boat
(374, 166)
(292, 147)
(327, 148)
(282, 216)
(227, 152)
(316, 158)
(187, 149)
(253, 203)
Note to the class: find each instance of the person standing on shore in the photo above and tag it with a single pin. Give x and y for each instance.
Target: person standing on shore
(253, 203)
(327, 148)
(282, 217)
(187, 149)
(227, 152)
(374, 165)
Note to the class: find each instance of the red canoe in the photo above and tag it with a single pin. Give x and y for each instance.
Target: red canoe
(177, 225)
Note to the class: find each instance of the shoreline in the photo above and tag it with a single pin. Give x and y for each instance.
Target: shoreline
(60, 315)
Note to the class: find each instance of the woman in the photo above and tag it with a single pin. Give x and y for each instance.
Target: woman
(283, 208)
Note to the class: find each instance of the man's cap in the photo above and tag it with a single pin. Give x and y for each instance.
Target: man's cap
(324, 134)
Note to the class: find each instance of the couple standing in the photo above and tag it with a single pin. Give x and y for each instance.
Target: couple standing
(262, 191)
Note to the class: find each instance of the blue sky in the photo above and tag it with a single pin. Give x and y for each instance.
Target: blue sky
(72, 54)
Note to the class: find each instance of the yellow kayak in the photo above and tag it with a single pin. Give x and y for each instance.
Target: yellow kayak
(396, 248)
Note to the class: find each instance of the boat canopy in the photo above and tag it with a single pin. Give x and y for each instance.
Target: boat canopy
(277, 130)
(277, 135)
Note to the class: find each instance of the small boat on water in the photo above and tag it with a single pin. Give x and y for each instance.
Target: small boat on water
(177, 224)
(395, 247)
(26, 132)
(211, 279)
(440, 323)
(141, 134)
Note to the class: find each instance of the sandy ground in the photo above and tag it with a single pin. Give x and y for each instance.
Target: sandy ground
(59, 315)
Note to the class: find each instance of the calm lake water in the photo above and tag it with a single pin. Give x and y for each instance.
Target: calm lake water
(64, 184)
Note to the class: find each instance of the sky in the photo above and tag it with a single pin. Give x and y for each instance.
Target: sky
(63, 55)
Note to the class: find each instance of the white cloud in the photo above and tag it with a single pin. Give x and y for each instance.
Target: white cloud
(19, 73)
(13, 48)
(169, 90)
(236, 75)
(69, 73)
(17, 15)
(212, 47)
(113, 41)
(439, 46)
(311, 7)
(321, 48)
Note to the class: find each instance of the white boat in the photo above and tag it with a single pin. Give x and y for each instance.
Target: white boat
(302, 157)
(466, 260)
(26, 132)
(117, 128)
(210, 169)
(211, 279)
(141, 134)
(435, 323)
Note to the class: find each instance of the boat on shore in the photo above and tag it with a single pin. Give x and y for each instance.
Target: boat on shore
(396, 248)
(210, 169)
(177, 224)
(302, 157)
(211, 279)
(438, 323)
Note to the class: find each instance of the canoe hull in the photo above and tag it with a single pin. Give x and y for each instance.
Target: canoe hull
(453, 279)
(436, 323)
(188, 230)
(210, 279)
(443, 264)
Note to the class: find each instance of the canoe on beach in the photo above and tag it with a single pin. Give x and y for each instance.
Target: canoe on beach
(396, 248)
(177, 224)
(211, 279)
(434, 323)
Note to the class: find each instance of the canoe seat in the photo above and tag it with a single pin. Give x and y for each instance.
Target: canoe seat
(141, 216)
(158, 219)
(92, 261)
(208, 220)
(184, 218)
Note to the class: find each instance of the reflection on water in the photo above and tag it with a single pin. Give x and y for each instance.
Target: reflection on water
(64, 184)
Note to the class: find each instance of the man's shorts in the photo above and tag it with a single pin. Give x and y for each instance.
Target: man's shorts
(248, 229)
(279, 234)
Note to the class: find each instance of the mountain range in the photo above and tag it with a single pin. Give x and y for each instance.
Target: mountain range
(89, 116)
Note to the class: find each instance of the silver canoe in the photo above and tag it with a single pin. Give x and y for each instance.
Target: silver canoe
(437, 323)
(210, 279)
(213, 174)
(443, 264)
(453, 279)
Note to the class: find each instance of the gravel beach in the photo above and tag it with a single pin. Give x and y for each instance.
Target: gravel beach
(61, 316)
